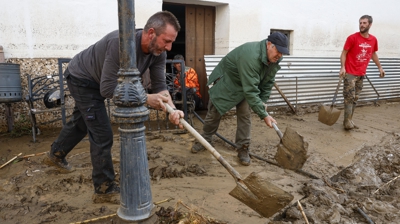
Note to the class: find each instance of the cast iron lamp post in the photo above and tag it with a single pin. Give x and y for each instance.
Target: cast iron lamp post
(129, 96)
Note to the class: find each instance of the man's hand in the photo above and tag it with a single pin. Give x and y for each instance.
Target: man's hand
(342, 72)
(381, 73)
(156, 101)
(269, 120)
(175, 116)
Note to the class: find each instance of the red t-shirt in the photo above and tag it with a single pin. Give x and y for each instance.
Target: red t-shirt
(360, 50)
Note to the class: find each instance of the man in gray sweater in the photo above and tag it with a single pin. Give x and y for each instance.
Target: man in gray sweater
(92, 77)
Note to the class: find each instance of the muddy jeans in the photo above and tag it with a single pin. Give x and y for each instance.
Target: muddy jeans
(89, 117)
(243, 114)
(352, 88)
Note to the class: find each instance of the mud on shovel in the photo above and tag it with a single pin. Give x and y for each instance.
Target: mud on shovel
(328, 114)
(292, 149)
(254, 191)
(299, 160)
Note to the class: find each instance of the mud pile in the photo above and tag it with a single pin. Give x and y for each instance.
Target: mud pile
(165, 165)
(367, 191)
(31, 190)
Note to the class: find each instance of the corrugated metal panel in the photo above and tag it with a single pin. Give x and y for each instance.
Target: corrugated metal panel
(306, 80)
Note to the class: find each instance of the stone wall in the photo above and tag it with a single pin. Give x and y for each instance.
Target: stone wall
(34, 68)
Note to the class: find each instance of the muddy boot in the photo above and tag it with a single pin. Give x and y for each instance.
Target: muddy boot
(198, 147)
(243, 154)
(347, 117)
(110, 195)
(61, 164)
(351, 119)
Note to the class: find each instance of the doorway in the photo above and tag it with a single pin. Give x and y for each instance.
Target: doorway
(195, 39)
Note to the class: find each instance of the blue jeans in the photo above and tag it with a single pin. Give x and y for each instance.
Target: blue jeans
(89, 117)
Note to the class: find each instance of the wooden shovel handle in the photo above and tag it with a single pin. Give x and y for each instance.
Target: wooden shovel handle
(337, 90)
(207, 145)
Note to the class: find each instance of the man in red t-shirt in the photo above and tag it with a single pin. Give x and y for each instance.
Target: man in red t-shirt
(358, 50)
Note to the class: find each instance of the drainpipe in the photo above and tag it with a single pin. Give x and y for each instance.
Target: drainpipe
(136, 204)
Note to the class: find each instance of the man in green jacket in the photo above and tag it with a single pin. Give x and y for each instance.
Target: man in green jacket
(243, 78)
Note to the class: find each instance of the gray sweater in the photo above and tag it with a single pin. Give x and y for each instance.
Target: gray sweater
(100, 63)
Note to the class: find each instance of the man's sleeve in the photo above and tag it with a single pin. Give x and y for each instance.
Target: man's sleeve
(250, 79)
(265, 91)
(192, 79)
(157, 74)
(349, 43)
(109, 75)
(376, 45)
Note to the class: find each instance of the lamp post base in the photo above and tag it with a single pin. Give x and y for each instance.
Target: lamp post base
(152, 219)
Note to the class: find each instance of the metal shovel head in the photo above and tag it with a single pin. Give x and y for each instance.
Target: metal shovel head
(292, 150)
(261, 195)
(328, 115)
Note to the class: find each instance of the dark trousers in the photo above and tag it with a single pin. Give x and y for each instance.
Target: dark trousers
(213, 119)
(89, 117)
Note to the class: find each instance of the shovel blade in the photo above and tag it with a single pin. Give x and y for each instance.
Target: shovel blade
(328, 115)
(292, 151)
(261, 195)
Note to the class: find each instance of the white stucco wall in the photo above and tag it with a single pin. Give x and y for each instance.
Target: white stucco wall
(320, 27)
(54, 28)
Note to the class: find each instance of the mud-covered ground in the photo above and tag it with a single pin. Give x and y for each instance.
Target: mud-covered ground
(357, 174)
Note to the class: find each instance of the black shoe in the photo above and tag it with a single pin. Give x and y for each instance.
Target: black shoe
(197, 147)
(110, 195)
(107, 188)
(244, 157)
(61, 164)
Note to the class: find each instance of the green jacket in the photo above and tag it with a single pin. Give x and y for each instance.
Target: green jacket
(244, 73)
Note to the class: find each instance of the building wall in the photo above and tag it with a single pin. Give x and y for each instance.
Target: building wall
(43, 30)
(320, 27)
(51, 28)
(54, 28)
(35, 33)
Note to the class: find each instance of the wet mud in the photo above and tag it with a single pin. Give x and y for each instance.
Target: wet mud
(357, 174)
(292, 151)
(369, 184)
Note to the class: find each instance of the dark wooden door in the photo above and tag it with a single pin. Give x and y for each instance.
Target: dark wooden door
(200, 25)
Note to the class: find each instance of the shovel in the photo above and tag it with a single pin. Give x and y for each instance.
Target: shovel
(328, 114)
(299, 171)
(254, 191)
(292, 149)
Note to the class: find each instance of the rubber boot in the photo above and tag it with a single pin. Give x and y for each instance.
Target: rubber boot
(351, 119)
(348, 109)
(243, 154)
(111, 194)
